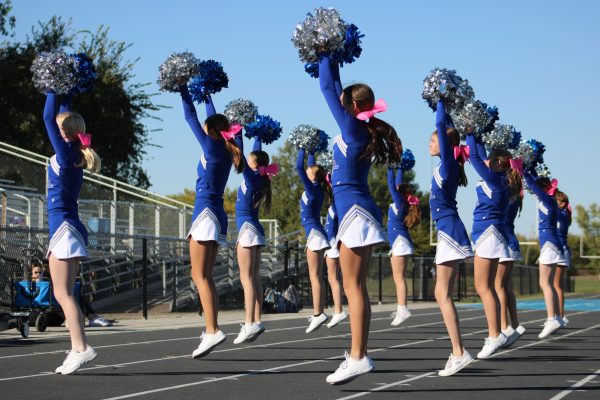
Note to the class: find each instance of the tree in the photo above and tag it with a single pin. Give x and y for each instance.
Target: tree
(589, 222)
(113, 110)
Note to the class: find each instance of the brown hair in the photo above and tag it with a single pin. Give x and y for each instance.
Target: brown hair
(264, 194)
(500, 162)
(413, 217)
(217, 123)
(561, 196)
(543, 183)
(454, 138)
(321, 176)
(384, 145)
(70, 124)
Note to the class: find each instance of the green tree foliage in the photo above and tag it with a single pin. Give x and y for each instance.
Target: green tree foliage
(589, 222)
(113, 110)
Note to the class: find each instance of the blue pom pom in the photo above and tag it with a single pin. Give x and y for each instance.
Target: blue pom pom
(211, 79)
(86, 73)
(350, 51)
(265, 128)
(538, 150)
(494, 116)
(323, 141)
(408, 160)
(516, 139)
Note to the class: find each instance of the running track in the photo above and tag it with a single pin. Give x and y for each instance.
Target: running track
(286, 363)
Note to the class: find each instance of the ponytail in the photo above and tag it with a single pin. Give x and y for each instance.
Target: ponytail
(90, 160)
(515, 183)
(321, 177)
(413, 216)
(454, 138)
(384, 145)
(263, 195)
(236, 155)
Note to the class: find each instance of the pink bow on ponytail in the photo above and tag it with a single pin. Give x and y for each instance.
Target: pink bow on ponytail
(233, 130)
(517, 164)
(412, 200)
(270, 170)
(328, 179)
(85, 139)
(462, 152)
(553, 187)
(378, 107)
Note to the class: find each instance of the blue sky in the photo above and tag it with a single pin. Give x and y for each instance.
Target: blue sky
(537, 61)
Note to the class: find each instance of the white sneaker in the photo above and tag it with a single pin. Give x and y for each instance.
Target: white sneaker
(337, 318)
(76, 360)
(316, 322)
(491, 345)
(520, 330)
(455, 364)
(208, 342)
(550, 326)
(565, 321)
(350, 369)
(400, 316)
(99, 322)
(511, 336)
(246, 333)
(260, 329)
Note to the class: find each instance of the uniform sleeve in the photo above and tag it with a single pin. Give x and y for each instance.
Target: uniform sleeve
(446, 151)
(329, 81)
(537, 191)
(189, 112)
(210, 107)
(308, 185)
(66, 103)
(58, 143)
(257, 144)
(396, 196)
(477, 162)
(311, 159)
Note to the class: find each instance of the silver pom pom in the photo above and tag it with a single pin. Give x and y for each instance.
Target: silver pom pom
(542, 171)
(322, 33)
(500, 138)
(446, 85)
(305, 137)
(54, 72)
(526, 153)
(240, 111)
(177, 69)
(325, 160)
(473, 117)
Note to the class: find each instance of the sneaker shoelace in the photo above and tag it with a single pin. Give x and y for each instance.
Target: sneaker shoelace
(394, 314)
(344, 363)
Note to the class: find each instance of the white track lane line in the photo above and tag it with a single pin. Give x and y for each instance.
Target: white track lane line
(384, 387)
(242, 348)
(39, 353)
(578, 384)
(185, 385)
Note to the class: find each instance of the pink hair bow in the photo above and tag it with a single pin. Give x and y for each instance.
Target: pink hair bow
(570, 208)
(517, 164)
(462, 152)
(378, 107)
(328, 179)
(412, 200)
(85, 139)
(270, 170)
(553, 187)
(233, 130)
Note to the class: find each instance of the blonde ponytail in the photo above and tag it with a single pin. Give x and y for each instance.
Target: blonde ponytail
(90, 160)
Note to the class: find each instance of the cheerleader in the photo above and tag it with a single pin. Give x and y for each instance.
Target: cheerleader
(314, 180)
(499, 182)
(403, 214)
(209, 226)
(68, 237)
(254, 191)
(364, 140)
(453, 244)
(563, 220)
(503, 282)
(551, 252)
(332, 259)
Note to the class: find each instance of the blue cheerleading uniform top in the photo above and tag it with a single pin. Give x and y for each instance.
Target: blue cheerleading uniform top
(65, 179)
(214, 165)
(312, 197)
(397, 210)
(563, 218)
(331, 225)
(350, 169)
(444, 184)
(246, 207)
(547, 214)
(492, 193)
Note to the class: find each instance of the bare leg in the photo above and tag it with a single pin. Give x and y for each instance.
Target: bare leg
(353, 261)
(257, 284)
(315, 261)
(558, 287)
(511, 300)
(334, 283)
(202, 255)
(63, 273)
(398, 268)
(444, 287)
(485, 273)
(546, 278)
(502, 277)
(245, 256)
